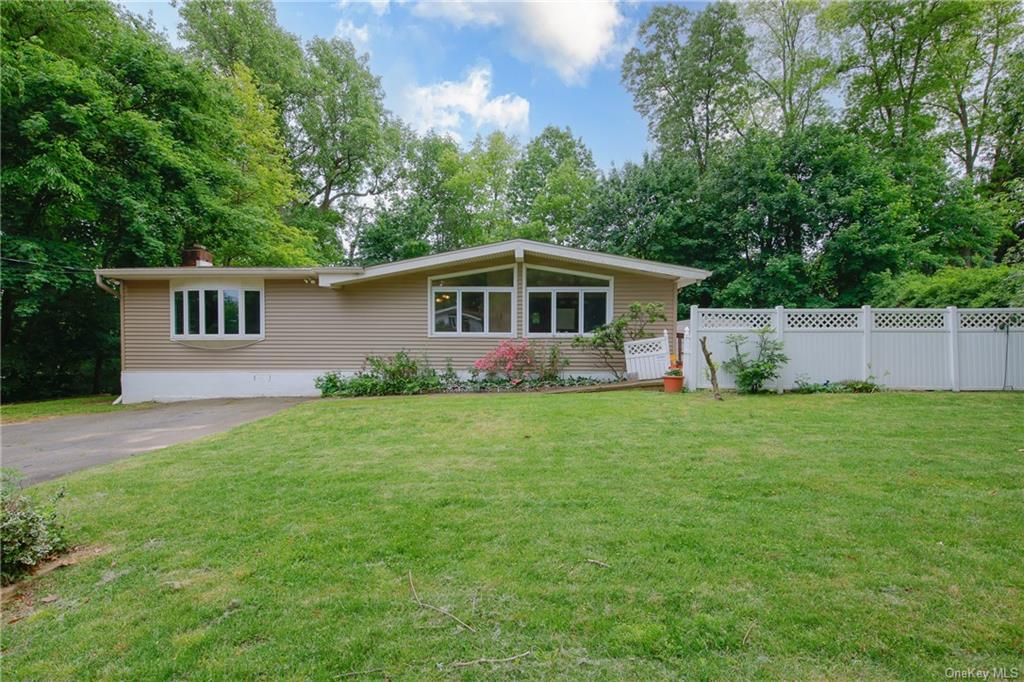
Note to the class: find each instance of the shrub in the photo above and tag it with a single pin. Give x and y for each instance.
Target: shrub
(515, 360)
(607, 341)
(752, 373)
(845, 386)
(551, 369)
(399, 374)
(29, 531)
(995, 287)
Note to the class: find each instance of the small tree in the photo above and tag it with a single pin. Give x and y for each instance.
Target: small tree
(752, 373)
(607, 341)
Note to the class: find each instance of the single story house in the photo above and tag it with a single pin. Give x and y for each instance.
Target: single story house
(199, 331)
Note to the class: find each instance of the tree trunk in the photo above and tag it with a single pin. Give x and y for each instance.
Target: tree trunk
(712, 370)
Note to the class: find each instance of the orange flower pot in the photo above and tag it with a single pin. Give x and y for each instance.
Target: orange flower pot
(673, 384)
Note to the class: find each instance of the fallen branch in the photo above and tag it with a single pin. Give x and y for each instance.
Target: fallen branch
(363, 672)
(712, 368)
(424, 604)
(599, 563)
(492, 661)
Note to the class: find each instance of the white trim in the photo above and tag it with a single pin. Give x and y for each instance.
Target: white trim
(609, 292)
(518, 248)
(458, 291)
(241, 286)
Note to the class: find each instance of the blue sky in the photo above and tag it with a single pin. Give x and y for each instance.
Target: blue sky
(467, 67)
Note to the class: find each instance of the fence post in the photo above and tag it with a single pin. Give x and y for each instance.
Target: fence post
(780, 320)
(693, 372)
(953, 325)
(865, 371)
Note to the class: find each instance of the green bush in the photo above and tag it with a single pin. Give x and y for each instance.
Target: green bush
(399, 374)
(846, 386)
(996, 287)
(29, 531)
(753, 372)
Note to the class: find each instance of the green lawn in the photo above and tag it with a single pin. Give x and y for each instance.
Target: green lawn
(12, 413)
(798, 537)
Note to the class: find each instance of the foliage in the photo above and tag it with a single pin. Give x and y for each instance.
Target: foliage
(695, 93)
(804, 386)
(994, 287)
(674, 372)
(399, 374)
(553, 365)
(607, 342)
(515, 360)
(29, 531)
(753, 372)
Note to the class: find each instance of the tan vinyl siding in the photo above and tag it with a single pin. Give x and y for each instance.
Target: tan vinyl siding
(312, 327)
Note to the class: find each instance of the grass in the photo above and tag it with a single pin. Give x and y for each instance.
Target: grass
(811, 537)
(12, 413)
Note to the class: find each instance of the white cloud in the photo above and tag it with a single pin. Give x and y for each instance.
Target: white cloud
(448, 106)
(379, 7)
(358, 35)
(570, 37)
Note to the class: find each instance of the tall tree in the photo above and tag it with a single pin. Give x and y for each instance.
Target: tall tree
(973, 69)
(223, 33)
(117, 152)
(790, 59)
(689, 78)
(552, 184)
(892, 61)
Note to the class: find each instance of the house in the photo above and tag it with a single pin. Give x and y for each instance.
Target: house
(199, 331)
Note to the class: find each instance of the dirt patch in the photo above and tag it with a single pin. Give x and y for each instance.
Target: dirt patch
(18, 599)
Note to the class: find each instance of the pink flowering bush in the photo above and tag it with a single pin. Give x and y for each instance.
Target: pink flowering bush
(515, 360)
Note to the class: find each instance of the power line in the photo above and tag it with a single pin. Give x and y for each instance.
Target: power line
(46, 265)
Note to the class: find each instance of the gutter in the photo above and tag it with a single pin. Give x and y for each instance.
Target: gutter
(103, 285)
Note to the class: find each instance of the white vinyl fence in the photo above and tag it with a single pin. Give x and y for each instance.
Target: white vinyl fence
(966, 349)
(647, 358)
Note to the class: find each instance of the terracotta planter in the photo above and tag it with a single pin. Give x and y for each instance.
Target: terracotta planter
(673, 384)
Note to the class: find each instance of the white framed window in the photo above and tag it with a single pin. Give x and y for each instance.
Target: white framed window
(566, 302)
(217, 311)
(472, 303)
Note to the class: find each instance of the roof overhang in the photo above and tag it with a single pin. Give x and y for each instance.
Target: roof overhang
(518, 249)
(212, 272)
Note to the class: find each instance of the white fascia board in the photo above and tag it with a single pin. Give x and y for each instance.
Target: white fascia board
(218, 272)
(519, 248)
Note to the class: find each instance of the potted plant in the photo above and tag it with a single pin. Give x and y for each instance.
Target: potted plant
(673, 380)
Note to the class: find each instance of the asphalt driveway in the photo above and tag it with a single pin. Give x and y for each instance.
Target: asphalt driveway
(49, 448)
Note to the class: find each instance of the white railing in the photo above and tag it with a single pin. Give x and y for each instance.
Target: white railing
(647, 358)
(969, 349)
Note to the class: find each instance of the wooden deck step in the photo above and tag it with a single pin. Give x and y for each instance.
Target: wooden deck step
(643, 385)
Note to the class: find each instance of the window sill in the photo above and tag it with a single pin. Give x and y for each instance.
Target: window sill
(216, 343)
(470, 335)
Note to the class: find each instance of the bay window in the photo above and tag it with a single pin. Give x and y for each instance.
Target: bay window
(477, 303)
(566, 303)
(211, 312)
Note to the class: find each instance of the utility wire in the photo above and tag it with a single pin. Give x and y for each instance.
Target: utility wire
(45, 265)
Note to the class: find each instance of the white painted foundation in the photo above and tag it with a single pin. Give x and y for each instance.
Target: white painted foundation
(166, 387)
(137, 387)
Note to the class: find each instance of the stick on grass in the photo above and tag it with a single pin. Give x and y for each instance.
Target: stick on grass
(492, 661)
(420, 602)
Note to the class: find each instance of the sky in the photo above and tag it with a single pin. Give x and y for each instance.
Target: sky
(462, 68)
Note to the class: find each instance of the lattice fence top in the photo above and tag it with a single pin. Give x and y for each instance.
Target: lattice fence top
(739, 319)
(646, 346)
(823, 319)
(910, 319)
(989, 320)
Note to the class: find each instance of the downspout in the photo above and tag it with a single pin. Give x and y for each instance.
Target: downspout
(103, 285)
(113, 292)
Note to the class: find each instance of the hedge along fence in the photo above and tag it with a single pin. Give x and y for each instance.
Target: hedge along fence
(958, 349)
